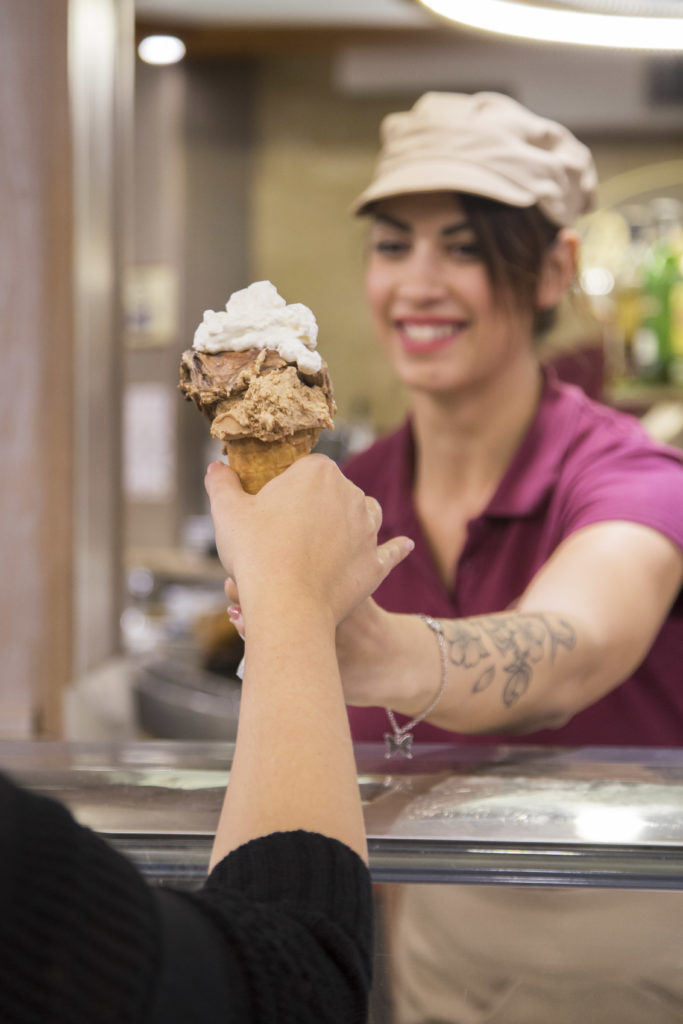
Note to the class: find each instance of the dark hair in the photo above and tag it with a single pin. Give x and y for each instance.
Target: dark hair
(512, 241)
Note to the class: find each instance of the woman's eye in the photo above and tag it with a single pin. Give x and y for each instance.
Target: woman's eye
(465, 250)
(387, 247)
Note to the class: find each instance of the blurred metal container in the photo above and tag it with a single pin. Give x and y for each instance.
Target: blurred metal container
(176, 700)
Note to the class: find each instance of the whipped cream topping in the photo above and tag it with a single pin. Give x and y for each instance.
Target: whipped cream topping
(258, 317)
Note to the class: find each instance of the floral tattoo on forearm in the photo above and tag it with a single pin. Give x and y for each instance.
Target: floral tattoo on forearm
(522, 640)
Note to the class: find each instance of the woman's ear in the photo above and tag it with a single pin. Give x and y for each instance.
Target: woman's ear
(559, 268)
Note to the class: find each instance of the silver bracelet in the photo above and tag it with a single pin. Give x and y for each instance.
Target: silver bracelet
(400, 741)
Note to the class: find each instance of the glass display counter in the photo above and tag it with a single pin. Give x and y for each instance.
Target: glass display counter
(585, 817)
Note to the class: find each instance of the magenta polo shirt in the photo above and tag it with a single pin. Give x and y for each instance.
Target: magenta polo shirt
(579, 463)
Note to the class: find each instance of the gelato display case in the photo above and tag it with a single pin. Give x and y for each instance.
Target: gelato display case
(585, 817)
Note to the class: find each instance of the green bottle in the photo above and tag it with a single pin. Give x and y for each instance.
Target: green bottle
(676, 312)
(652, 344)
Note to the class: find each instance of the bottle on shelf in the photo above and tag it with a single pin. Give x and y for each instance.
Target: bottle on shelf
(652, 346)
(676, 317)
(628, 288)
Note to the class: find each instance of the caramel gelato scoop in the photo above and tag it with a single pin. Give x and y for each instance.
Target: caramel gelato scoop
(256, 374)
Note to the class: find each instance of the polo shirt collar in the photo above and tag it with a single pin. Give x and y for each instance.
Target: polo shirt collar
(536, 465)
(530, 476)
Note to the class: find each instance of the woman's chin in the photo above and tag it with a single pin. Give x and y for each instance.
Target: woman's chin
(434, 382)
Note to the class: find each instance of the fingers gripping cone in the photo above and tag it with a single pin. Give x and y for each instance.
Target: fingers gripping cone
(256, 462)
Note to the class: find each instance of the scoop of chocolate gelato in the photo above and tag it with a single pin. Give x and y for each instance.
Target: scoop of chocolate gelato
(256, 393)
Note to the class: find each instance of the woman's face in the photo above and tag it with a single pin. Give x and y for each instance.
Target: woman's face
(431, 299)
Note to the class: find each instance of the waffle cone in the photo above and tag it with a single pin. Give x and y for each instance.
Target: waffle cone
(256, 462)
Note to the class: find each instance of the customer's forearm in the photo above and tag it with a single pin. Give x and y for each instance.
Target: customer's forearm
(293, 766)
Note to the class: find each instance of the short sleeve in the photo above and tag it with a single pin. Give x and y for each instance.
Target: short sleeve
(627, 478)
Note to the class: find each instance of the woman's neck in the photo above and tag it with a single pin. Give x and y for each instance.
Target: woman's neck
(465, 442)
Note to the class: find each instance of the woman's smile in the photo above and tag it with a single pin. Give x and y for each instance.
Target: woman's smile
(425, 335)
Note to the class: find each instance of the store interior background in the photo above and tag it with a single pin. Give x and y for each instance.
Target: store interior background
(237, 164)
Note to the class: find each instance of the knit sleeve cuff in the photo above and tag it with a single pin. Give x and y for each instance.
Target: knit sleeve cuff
(304, 868)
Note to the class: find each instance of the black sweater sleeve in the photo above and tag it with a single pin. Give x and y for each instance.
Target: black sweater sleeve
(280, 931)
(295, 909)
(79, 933)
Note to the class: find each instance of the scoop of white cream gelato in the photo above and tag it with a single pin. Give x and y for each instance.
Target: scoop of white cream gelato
(258, 317)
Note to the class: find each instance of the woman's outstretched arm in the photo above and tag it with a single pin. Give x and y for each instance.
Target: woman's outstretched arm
(582, 626)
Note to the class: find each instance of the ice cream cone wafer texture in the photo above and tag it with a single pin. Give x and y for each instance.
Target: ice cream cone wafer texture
(256, 374)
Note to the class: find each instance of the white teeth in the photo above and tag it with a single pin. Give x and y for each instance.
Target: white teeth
(428, 332)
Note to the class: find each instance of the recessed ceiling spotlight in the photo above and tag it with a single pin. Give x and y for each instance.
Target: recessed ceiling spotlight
(550, 22)
(161, 49)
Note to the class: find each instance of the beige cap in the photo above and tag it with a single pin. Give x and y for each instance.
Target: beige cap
(486, 144)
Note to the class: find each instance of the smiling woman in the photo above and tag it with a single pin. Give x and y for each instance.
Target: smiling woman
(547, 528)
(457, 280)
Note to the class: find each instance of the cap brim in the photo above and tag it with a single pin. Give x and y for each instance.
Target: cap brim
(446, 177)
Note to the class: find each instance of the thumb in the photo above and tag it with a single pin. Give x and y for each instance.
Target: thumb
(392, 552)
(221, 481)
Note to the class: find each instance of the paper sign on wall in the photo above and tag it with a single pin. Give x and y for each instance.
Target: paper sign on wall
(148, 442)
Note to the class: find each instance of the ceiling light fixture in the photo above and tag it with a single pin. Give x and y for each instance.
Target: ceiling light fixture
(550, 23)
(161, 49)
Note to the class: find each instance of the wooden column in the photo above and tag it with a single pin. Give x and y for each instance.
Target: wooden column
(58, 299)
(36, 389)
(101, 61)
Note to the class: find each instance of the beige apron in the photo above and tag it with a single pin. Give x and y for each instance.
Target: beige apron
(519, 955)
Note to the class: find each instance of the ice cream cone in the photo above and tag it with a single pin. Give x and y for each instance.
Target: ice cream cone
(256, 462)
(254, 373)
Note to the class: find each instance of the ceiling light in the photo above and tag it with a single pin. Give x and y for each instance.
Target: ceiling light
(549, 23)
(161, 49)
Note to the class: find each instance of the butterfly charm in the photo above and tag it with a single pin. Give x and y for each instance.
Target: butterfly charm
(398, 744)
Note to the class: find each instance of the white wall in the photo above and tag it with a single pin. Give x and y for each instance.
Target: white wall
(589, 90)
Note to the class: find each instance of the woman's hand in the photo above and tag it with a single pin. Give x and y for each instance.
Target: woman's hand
(309, 533)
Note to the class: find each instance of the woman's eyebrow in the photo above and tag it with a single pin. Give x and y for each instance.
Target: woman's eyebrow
(392, 222)
(454, 229)
(400, 225)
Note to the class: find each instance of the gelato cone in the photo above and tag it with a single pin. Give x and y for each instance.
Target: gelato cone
(256, 462)
(255, 373)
